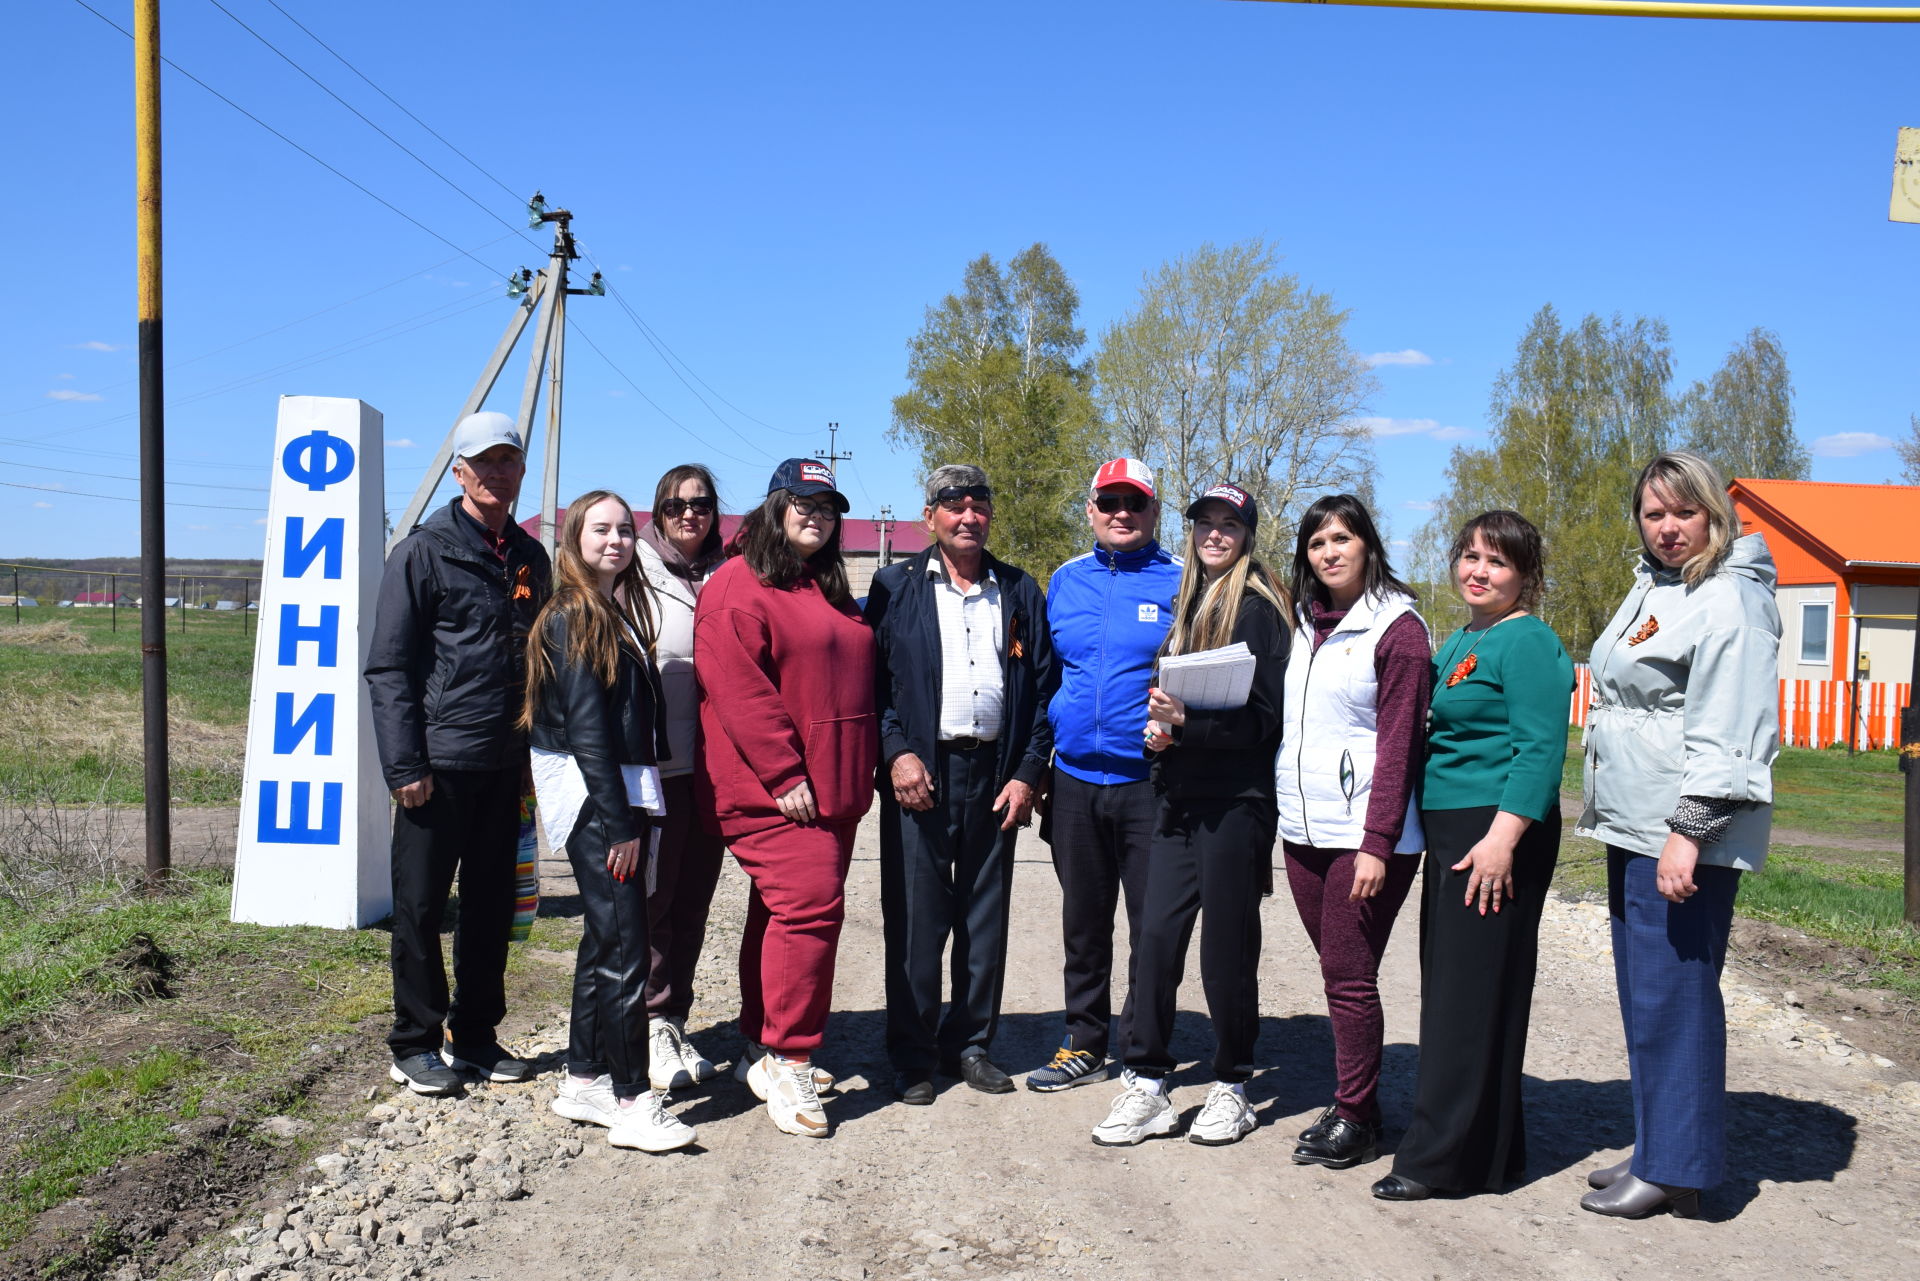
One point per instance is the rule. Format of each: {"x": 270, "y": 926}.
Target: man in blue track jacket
{"x": 1109, "y": 611}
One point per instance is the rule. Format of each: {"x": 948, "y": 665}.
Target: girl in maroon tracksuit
{"x": 789, "y": 747}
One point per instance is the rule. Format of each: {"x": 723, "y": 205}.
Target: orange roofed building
{"x": 1849, "y": 562}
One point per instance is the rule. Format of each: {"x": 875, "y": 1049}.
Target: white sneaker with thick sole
{"x": 792, "y": 1100}
{"x": 666, "y": 1070}
{"x": 699, "y": 1067}
{"x": 1139, "y": 1113}
{"x": 647, "y": 1125}
{"x": 1226, "y": 1117}
{"x": 589, "y": 1101}
{"x": 743, "y": 1072}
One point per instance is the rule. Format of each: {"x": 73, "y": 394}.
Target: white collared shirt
{"x": 973, "y": 696}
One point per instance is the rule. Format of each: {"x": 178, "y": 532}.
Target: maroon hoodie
{"x": 786, "y": 694}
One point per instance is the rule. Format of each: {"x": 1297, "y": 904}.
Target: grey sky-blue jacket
{"x": 1686, "y": 703}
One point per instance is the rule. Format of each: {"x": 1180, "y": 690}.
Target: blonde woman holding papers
{"x": 1213, "y": 841}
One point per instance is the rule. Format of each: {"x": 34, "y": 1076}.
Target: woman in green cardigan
{"x": 1497, "y": 739}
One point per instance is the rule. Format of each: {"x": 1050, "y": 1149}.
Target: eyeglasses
{"x": 954, "y": 497}
{"x": 805, "y": 507}
{"x": 1110, "y": 503}
{"x": 672, "y": 507}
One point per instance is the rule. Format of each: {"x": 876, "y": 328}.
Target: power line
{"x": 396, "y": 102}
{"x": 466, "y": 195}
{"x": 586, "y": 338}
{"x": 662, "y": 350}
{"x": 367, "y": 191}
{"x": 116, "y": 498}
{"x": 185, "y": 484}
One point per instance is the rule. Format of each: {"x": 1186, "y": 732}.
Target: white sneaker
{"x": 589, "y": 1101}
{"x": 647, "y": 1125}
{"x": 699, "y": 1067}
{"x": 792, "y": 1099}
{"x": 666, "y": 1070}
{"x": 743, "y": 1072}
{"x": 1139, "y": 1113}
{"x": 1226, "y": 1117}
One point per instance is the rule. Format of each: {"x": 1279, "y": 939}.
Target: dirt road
{"x": 1824, "y": 1170}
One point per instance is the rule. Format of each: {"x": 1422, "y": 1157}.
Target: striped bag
{"x": 526, "y": 900}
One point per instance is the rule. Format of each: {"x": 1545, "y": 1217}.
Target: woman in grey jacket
{"x": 1678, "y": 778}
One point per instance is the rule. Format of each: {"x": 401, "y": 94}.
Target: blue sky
{"x": 780, "y": 191}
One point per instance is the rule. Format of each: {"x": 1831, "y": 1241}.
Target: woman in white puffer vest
{"x": 1358, "y": 683}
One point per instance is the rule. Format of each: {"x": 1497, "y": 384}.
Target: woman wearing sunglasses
{"x": 790, "y": 743}
{"x": 1213, "y": 844}
{"x": 679, "y": 548}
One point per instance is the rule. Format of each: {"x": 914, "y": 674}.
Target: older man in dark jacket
{"x": 446, "y": 673}
{"x": 964, "y": 675}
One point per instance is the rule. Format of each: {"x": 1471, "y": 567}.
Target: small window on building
{"x": 1816, "y": 629}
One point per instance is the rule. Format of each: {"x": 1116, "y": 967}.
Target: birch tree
{"x": 1228, "y": 369}
{"x": 995, "y": 378}
{"x": 1742, "y": 419}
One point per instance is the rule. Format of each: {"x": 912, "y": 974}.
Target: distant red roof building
{"x": 1849, "y": 563}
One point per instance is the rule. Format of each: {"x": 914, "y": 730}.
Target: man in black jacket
{"x": 964, "y": 676}
{"x": 446, "y": 672}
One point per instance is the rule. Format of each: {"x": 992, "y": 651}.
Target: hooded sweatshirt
{"x": 1686, "y": 703}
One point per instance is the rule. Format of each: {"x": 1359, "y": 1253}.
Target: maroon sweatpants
{"x": 794, "y": 912}
{"x": 1351, "y": 936}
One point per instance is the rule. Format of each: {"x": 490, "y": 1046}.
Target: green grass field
{"x": 73, "y": 731}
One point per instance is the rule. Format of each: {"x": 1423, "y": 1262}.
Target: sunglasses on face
{"x": 672, "y": 507}
{"x": 1111, "y": 503}
{"x": 805, "y": 507}
{"x": 954, "y": 497}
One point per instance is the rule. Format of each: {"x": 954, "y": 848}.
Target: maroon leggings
{"x": 1350, "y": 936}
{"x": 794, "y": 912}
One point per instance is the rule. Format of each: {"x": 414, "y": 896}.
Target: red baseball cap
{"x": 1124, "y": 471}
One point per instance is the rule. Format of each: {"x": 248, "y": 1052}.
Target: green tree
{"x": 1228, "y": 369}
{"x": 1742, "y": 420}
{"x": 1909, "y": 451}
{"x": 1575, "y": 416}
{"x": 995, "y": 379}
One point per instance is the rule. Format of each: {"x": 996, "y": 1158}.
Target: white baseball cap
{"x": 477, "y": 433}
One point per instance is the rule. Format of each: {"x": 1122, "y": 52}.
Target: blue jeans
{"x": 1667, "y": 959}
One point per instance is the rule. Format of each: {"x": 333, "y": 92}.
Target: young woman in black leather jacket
{"x": 596, "y": 723}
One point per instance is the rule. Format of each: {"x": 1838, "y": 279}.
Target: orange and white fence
{"x": 1812, "y": 713}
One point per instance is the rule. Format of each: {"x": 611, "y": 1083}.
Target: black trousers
{"x": 1210, "y": 859}
{"x": 945, "y": 873}
{"x": 1468, "y": 1133}
{"x": 470, "y": 825}
{"x": 1102, "y": 842}
{"x": 608, "y": 1033}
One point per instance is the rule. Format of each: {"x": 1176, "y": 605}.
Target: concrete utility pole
{"x": 1652, "y": 9}
{"x": 885, "y": 521}
{"x": 831, "y": 455}
{"x": 153, "y": 493}
{"x": 547, "y": 361}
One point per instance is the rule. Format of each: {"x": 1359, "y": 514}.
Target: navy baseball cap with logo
{"x": 803, "y": 477}
{"x": 1233, "y": 496}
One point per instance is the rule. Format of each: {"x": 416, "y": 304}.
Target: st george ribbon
{"x": 314, "y": 822}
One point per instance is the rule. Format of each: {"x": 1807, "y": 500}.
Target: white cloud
{"x": 616, "y": 392}
{"x": 402, "y": 443}
{"x": 68, "y": 393}
{"x": 1453, "y": 433}
{"x": 1415, "y": 505}
{"x": 260, "y": 521}
{"x": 65, "y": 378}
{"x": 200, "y": 529}
{"x": 1406, "y": 357}
{"x": 43, "y": 506}
{"x": 97, "y": 345}
{"x": 1850, "y": 444}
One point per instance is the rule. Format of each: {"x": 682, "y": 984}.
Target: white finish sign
{"x": 314, "y": 822}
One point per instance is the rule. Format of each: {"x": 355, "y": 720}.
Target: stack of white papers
{"x": 1211, "y": 679}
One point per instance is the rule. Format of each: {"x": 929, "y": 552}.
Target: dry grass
{"x": 94, "y": 739}
{"x": 58, "y": 636}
